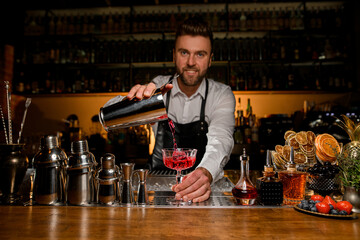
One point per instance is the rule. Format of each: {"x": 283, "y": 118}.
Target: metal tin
{"x": 49, "y": 180}
{"x": 127, "y": 113}
{"x": 80, "y": 185}
{"x": 107, "y": 180}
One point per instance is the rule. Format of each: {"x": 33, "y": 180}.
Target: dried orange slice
{"x": 293, "y": 143}
{"x": 279, "y": 149}
{"x": 323, "y": 157}
{"x": 301, "y": 138}
{"x": 288, "y": 134}
{"x": 276, "y": 160}
{"x": 300, "y": 157}
{"x": 310, "y": 137}
{"x": 317, "y": 141}
{"x": 286, "y": 152}
{"x": 307, "y": 148}
{"x": 329, "y": 146}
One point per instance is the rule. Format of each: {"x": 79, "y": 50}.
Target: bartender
{"x": 202, "y": 111}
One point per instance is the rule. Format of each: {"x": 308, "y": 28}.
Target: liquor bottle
{"x": 110, "y": 24}
{"x": 269, "y": 187}
{"x": 244, "y": 191}
{"x": 294, "y": 182}
{"x": 290, "y": 84}
{"x": 71, "y": 26}
{"x": 85, "y": 25}
{"x": 103, "y": 24}
{"x": 52, "y": 26}
{"x": 243, "y": 23}
{"x": 223, "y": 21}
{"x": 262, "y": 20}
{"x": 255, "y": 20}
{"x": 65, "y": 26}
{"x": 231, "y": 20}
{"x": 249, "y": 20}
{"x": 280, "y": 19}
{"x": 59, "y": 26}
{"x": 78, "y": 24}
{"x": 247, "y": 130}
{"x": 274, "y": 20}
{"x": 255, "y": 130}
{"x": 239, "y": 133}
{"x": 215, "y": 21}
{"x": 248, "y": 107}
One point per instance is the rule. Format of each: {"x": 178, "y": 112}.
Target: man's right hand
{"x": 146, "y": 91}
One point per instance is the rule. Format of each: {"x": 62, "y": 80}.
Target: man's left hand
{"x": 195, "y": 186}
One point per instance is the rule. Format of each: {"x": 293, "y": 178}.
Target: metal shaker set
{"x": 78, "y": 180}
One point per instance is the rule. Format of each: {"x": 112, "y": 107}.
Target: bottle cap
{"x": 268, "y": 167}
{"x": 49, "y": 142}
{"x": 80, "y": 146}
{"x": 108, "y": 161}
{"x": 291, "y": 165}
{"x": 244, "y": 157}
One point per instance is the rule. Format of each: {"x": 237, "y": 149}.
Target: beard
{"x": 192, "y": 80}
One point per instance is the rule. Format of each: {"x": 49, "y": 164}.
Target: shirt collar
{"x": 201, "y": 90}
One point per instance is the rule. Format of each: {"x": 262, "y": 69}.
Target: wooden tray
{"x": 343, "y": 217}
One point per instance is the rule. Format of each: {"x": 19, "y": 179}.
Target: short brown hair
{"x": 195, "y": 26}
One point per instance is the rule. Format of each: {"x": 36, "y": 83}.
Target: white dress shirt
{"x": 219, "y": 114}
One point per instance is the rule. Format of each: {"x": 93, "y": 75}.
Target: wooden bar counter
{"x": 68, "y": 222}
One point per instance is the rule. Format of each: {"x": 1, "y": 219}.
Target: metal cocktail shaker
{"x": 49, "y": 180}
{"x": 127, "y": 113}
{"x": 80, "y": 185}
{"x": 134, "y": 112}
{"x": 107, "y": 180}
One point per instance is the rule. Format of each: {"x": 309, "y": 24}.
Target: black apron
{"x": 190, "y": 135}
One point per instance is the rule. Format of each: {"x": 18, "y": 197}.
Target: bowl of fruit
{"x": 323, "y": 178}
{"x": 321, "y": 206}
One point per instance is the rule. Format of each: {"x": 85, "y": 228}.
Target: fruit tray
{"x": 344, "y": 217}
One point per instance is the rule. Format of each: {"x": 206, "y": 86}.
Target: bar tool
{"x": 8, "y": 101}
{"x": 4, "y": 125}
{"x": 142, "y": 194}
{"x": 107, "y": 180}
{"x": 49, "y": 180}
{"x": 80, "y": 185}
{"x": 132, "y": 112}
{"x": 27, "y": 104}
{"x": 13, "y": 165}
{"x": 127, "y": 193}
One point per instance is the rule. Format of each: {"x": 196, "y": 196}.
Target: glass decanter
{"x": 269, "y": 187}
{"x": 294, "y": 182}
{"x": 244, "y": 191}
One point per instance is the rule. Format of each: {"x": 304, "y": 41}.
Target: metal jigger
{"x": 142, "y": 193}
{"x": 127, "y": 193}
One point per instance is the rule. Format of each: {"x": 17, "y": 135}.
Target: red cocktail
{"x": 179, "y": 159}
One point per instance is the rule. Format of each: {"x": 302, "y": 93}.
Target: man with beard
{"x": 202, "y": 111}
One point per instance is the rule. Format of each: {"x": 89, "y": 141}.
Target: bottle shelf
{"x": 115, "y": 47}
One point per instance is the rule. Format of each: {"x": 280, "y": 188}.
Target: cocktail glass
{"x": 179, "y": 159}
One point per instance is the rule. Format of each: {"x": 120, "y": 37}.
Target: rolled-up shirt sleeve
{"x": 220, "y": 133}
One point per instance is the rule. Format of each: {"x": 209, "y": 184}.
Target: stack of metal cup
{"x": 107, "y": 180}
{"x": 49, "y": 179}
{"x": 80, "y": 171}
